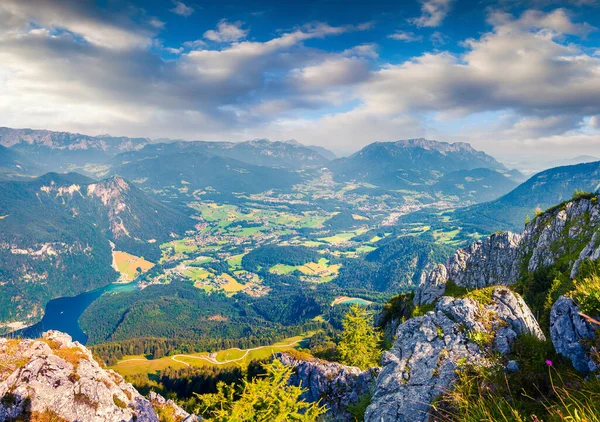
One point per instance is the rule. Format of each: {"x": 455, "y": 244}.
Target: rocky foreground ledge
{"x": 54, "y": 378}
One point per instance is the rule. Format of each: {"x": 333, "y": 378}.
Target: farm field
{"x": 345, "y": 300}
{"x": 139, "y": 364}
{"x": 128, "y": 265}
{"x": 320, "y": 271}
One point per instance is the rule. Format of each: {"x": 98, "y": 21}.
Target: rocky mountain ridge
{"x": 337, "y": 386}
{"x": 24, "y": 138}
{"x": 567, "y": 232}
{"x": 54, "y": 378}
{"x": 540, "y": 191}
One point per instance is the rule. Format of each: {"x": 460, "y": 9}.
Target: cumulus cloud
{"x": 362, "y": 50}
{"x": 438, "y": 39}
{"x": 83, "y": 69}
{"x": 96, "y": 26}
{"x": 433, "y": 13}
{"x": 181, "y": 9}
{"x": 227, "y": 32}
{"x": 405, "y": 36}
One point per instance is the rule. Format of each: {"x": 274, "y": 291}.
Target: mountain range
{"x": 428, "y": 166}
{"x": 59, "y": 150}
{"x": 56, "y": 233}
{"x": 539, "y": 192}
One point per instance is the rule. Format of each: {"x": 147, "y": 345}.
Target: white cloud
{"x": 82, "y": 70}
{"x": 438, "y": 39}
{"x": 114, "y": 30}
{"x": 194, "y": 45}
{"x": 405, "y": 36}
{"x": 362, "y": 50}
{"x": 433, "y": 13}
{"x": 181, "y": 9}
{"x": 227, "y": 32}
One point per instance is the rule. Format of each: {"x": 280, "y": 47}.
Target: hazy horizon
{"x": 323, "y": 74}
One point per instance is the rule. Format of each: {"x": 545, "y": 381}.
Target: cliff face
{"x": 337, "y": 386}
{"x": 58, "y": 379}
{"x": 568, "y": 234}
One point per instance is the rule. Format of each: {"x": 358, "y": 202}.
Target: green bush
{"x": 587, "y": 295}
{"x": 421, "y": 310}
{"x": 358, "y": 409}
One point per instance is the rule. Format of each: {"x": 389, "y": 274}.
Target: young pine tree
{"x": 359, "y": 345}
{"x": 264, "y": 399}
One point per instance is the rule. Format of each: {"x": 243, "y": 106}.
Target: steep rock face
{"x": 423, "y": 361}
{"x": 493, "y": 261}
{"x": 58, "y": 377}
{"x": 568, "y": 231}
{"x": 569, "y": 332}
{"x": 337, "y": 386}
{"x": 554, "y": 234}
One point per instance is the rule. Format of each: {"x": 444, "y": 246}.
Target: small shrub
{"x": 358, "y": 409}
{"x": 118, "y": 402}
{"x": 300, "y": 355}
{"x": 483, "y": 296}
{"x": 587, "y": 295}
{"x": 166, "y": 414}
{"x": 480, "y": 338}
{"x": 453, "y": 290}
{"x": 421, "y": 310}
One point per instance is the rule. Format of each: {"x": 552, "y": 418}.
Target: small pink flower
{"x": 549, "y": 362}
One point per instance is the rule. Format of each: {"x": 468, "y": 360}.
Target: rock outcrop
{"x": 570, "y": 333}
{"x": 422, "y": 363}
{"x": 59, "y": 379}
{"x": 568, "y": 229}
{"x": 490, "y": 262}
{"x": 571, "y": 229}
{"x": 337, "y": 386}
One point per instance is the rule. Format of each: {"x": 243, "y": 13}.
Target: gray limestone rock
{"x": 337, "y": 386}
{"x": 422, "y": 363}
{"x": 568, "y": 330}
{"x": 491, "y": 262}
{"x": 57, "y": 375}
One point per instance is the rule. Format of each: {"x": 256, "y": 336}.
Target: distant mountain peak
{"x": 430, "y": 144}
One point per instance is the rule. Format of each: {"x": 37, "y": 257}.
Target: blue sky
{"x": 518, "y": 79}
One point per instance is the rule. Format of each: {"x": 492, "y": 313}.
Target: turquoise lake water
{"x": 63, "y": 313}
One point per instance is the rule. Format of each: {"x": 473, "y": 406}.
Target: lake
{"x": 63, "y": 313}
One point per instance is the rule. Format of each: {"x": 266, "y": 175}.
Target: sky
{"x": 518, "y": 79}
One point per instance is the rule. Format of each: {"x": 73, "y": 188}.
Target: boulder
{"x": 429, "y": 349}
{"x": 57, "y": 377}
{"x": 569, "y": 331}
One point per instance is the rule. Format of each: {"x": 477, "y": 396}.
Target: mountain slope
{"x": 479, "y": 185}
{"x": 57, "y": 150}
{"x": 396, "y": 265}
{"x": 13, "y": 165}
{"x": 260, "y": 152}
{"x": 417, "y": 164}
{"x": 540, "y": 191}
{"x": 56, "y": 232}
{"x": 193, "y": 170}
